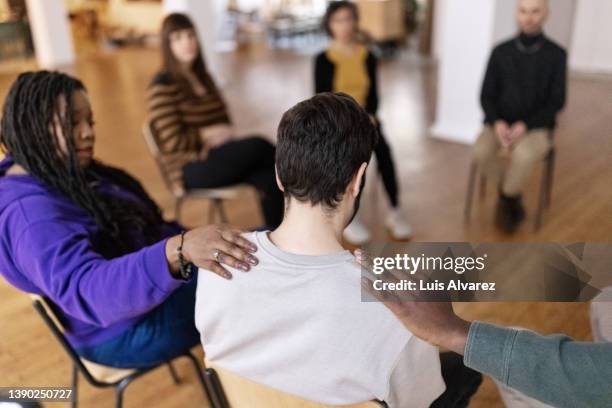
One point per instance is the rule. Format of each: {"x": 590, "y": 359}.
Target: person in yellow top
{"x": 348, "y": 66}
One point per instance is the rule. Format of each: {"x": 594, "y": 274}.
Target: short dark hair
{"x": 322, "y": 141}
{"x": 333, "y": 7}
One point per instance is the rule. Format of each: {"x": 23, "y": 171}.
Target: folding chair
{"x": 170, "y": 166}
{"x": 232, "y": 391}
{"x": 546, "y": 185}
{"x": 101, "y": 376}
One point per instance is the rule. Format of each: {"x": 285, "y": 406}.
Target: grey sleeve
{"x": 553, "y": 369}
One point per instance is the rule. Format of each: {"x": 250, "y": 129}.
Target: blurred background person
{"x": 348, "y": 66}
{"x": 524, "y": 88}
{"x": 190, "y": 121}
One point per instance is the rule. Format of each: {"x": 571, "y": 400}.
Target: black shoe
{"x": 517, "y": 209}
{"x": 510, "y": 213}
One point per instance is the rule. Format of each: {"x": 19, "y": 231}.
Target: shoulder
{"x": 41, "y": 216}
{"x": 111, "y": 173}
{"x": 368, "y": 51}
{"x": 370, "y": 56}
{"x": 39, "y": 208}
{"x": 163, "y": 82}
{"x": 503, "y": 46}
{"x": 555, "y": 49}
{"x": 252, "y": 236}
{"x": 322, "y": 58}
{"x": 163, "y": 86}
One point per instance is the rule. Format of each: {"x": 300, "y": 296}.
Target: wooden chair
{"x": 98, "y": 375}
{"x": 170, "y": 166}
{"x": 546, "y": 185}
{"x": 229, "y": 390}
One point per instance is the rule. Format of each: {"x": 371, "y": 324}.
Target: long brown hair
{"x": 175, "y": 22}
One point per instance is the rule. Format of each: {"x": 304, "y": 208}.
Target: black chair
{"x": 546, "y": 184}
{"x": 103, "y": 376}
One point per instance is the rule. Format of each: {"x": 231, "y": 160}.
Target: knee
{"x": 484, "y": 149}
{"x": 524, "y": 156}
{"x": 482, "y": 153}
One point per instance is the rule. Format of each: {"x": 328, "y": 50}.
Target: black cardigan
{"x": 324, "y": 78}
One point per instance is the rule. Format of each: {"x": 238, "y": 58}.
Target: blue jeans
{"x": 165, "y": 333}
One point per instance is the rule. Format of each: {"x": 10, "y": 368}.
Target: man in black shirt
{"x": 523, "y": 90}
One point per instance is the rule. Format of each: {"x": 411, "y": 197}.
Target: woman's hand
{"x": 209, "y": 247}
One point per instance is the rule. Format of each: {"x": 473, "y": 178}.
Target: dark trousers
{"x": 461, "y": 382}
{"x": 386, "y": 167}
{"x": 250, "y": 161}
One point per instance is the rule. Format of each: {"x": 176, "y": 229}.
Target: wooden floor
{"x": 259, "y": 86}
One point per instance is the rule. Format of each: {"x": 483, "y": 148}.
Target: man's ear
{"x": 278, "y": 182}
{"x": 355, "y": 185}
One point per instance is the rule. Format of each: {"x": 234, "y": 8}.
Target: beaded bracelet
{"x": 186, "y": 269}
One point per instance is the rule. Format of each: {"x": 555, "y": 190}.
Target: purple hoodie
{"x": 45, "y": 249}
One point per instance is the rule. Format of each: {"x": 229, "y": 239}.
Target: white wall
{"x": 591, "y": 45}
{"x": 561, "y": 21}
{"x": 465, "y": 39}
{"x": 51, "y": 33}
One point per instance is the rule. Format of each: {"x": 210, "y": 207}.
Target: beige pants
{"x": 524, "y": 155}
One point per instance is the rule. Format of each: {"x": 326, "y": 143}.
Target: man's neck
{"x": 530, "y": 38}
{"x": 308, "y": 230}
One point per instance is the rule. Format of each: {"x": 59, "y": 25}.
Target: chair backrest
{"x": 94, "y": 373}
{"x": 170, "y": 165}
{"x": 240, "y": 392}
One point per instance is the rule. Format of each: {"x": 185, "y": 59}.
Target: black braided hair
{"x": 29, "y": 137}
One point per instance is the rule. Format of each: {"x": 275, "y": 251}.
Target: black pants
{"x": 386, "y": 167}
{"x": 461, "y": 382}
{"x": 250, "y": 161}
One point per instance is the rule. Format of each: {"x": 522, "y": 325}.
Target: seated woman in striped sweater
{"x": 191, "y": 122}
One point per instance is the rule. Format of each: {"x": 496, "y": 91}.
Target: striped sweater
{"x": 176, "y": 117}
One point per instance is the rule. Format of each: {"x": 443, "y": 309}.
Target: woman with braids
{"x": 348, "y": 66}
{"x": 192, "y": 125}
{"x": 89, "y": 238}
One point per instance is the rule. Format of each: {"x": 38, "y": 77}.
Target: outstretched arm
{"x": 554, "y": 369}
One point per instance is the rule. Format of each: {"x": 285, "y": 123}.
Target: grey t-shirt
{"x": 296, "y": 323}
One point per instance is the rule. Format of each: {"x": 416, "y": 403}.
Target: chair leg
{"x": 200, "y": 374}
{"x": 483, "y": 187}
{"x": 175, "y": 377}
{"x": 222, "y": 213}
{"x": 541, "y": 200}
{"x": 220, "y": 399}
{"x": 470, "y": 192}
{"x": 119, "y": 391}
{"x": 550, "y": 174}
{"x": 75, "y": 386}
{"x": 178, "y": 206}
{"x": 212, "y": 210}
